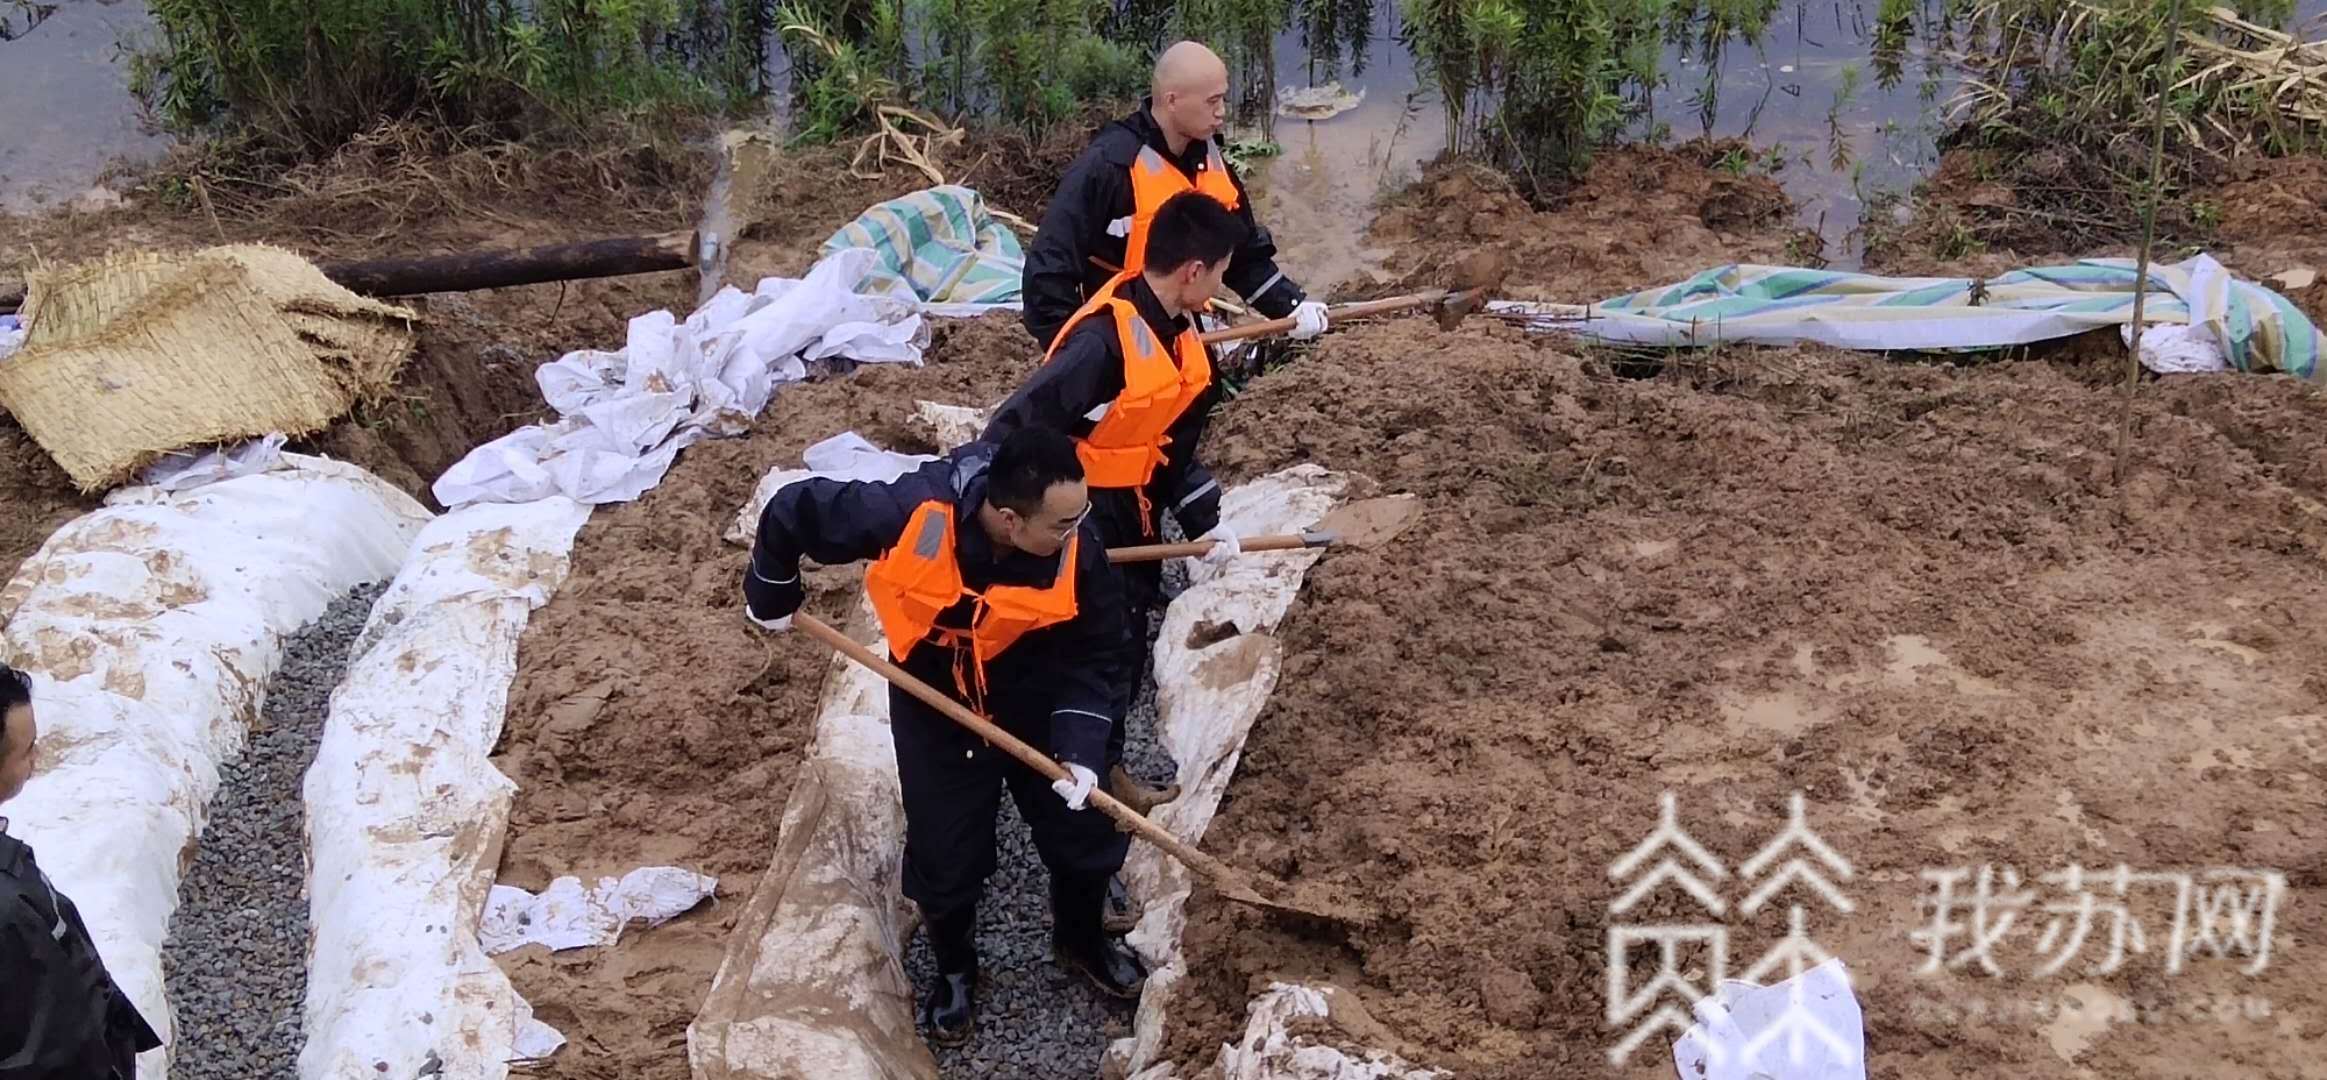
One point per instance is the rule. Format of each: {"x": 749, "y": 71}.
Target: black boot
{"x": 1078, "y": 943}
{"x": 1120, "y": 916}
{"x": 950, "y": 1008}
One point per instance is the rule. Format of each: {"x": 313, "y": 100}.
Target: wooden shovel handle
{"x": 1158, "y": 552}
{"x": 1221, "y": 874}
{"x": 1346, "y": 311}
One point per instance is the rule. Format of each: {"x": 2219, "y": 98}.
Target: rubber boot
{"x": 1136, "y": 795}
{"x": 950, "y": 1008}
{"x": 1120, "y": 916}
{"x": 1079, "y": 944}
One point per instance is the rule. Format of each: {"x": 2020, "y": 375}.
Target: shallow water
{"x": 65, "y": 108}
{"x": 1807, "y": 92}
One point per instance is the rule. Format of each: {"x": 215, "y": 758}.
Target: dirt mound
{"x": 1907, "y": 591}
{"x": 647, "y": 726}
{"x": 2271, "y": 199}
{"x": 36, "y": 497}
{"x": 1641, "y": 216}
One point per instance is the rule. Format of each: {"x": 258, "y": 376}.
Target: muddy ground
{"x": 1641, "y": 216}
{"x": 1909, "y": 591}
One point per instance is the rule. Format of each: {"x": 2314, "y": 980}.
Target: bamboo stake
{"x": 2173, "y": 35}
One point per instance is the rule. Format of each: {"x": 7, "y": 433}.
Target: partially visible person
{"x": 61, "y": 1017}
{"x": 1107, "y": 202}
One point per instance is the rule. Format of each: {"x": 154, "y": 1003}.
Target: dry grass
{"x": 395, "y": 181}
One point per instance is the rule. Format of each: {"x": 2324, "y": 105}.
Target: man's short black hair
{"x": 15, "y": 690}
{"x": 1192, "y": 227}
{"x": 1027, "y": 463}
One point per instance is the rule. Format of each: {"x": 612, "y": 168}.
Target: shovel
{"x": 1362, "y": 524}
{"x": 1233, "y": 883}
{"x": 1481, "y": 273}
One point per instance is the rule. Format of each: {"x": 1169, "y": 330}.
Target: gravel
{"x": 1035, "y": 1021}
{"x": 235, "y": 960}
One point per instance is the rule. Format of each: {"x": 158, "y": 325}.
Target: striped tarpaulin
{"x": 2258, "y": 329}
{"x": 938, "y": 245}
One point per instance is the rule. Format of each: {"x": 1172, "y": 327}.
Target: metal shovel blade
{"x": 1370, "y": 522}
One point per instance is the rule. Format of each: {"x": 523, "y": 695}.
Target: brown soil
{"x": 647, "y": 724}
{"x": 1641, "y": 216}
{"x": 2266, "y": 215}
{"x": 1904, "y": 590}
{"x": 36, "y": 498}
{"x": 470, "y": 378}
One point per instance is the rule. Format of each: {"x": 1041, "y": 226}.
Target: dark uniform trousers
{"x": 1115, "y": 511}
{"x": 953, "y": 782}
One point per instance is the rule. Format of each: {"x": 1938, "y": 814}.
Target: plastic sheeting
{"x": 1299, "y": 1032}
{"x": 813, "y": 984}
{"x": 1209, "y": 690}
{"x": 624, "y": 416}
{"x": 2255, "y": 328}
{"x": 151, "y": 628}
{"x": 185, "y": 470}
{"x": 405, "y": 811}
{"x": 938, "y": 245}
{"x": 847, "y": 456}
{"x": 1806, "y": 1027}
{"x": 569, "y": 916}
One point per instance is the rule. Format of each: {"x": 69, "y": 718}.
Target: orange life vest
{"x": 1154, "y": 181}
{"x": 915, "y": 581}
{"x": 1125, "y": 446}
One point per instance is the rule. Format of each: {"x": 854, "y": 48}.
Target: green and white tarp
{"x": 940, "y": 247}
{"x": 2255, "y": 328}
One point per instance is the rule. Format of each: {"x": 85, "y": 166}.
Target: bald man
{"x": 1131, "y": 168}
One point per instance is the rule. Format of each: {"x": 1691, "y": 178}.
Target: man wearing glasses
{"x": 1129, "y": 378}
{"x": 992, "y": 585}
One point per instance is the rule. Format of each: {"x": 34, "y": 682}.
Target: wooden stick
{"x": 1192, "y": 548}
{"x": 1383, "y": 306}
{"x": 1230, "y": 881}
{"x": 2141, "y": 266}
{"x": 471, "y": 270}
{"x": 466, "y": 271}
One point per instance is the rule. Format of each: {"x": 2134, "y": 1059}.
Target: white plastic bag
{"x": 624, "y": 416}
{"x": 1807, "y": 1027}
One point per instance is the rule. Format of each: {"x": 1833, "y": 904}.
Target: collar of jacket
{"x": 1167, "y": 327}
{"x": 1142, "y": 124}
{"x": 15, "y": 855}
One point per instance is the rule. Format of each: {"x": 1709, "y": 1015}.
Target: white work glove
{"x": 775, "y": 626}
{"x": 1225, "y": 546}
{"x": 1309, "y": 319}
{"x": 1075, "y": 790}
